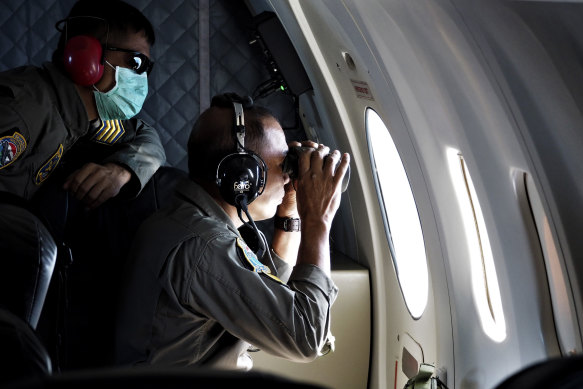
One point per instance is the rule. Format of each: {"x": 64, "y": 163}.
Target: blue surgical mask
{"x": 126, "y": 98}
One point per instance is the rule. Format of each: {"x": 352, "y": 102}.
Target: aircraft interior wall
{"x": 495, "y": 82}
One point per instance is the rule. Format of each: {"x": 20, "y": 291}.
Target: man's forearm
{"x": 314, "y": 247}
{"x": 142, "y": 156}
{"x": 286, "y": 244}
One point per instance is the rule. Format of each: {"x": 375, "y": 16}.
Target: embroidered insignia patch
{"x": 10, "y": 148}
{"x": 50, "y": 165}
{"x": 258, "y": 267}
{"x": 109, "y": 132}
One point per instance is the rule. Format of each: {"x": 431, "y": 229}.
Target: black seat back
{"x": 557, "y": 373}
{"x": 22, "y": 355}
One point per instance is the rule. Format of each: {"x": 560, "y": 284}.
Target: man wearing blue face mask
{"x": 126, "y": 97}
{"x": 70, "y": 124}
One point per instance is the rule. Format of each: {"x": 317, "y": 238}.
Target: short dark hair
{"x": 211, "y": 140}
{"x": 105, "y": 20}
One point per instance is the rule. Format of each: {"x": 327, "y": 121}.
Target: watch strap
{"x": 287, "y": 224}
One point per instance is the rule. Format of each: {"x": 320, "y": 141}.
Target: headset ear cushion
{"x": 83, "y": 60}
{"x": 240, "y": 174}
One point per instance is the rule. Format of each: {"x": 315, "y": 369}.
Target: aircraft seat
{"x": 21, "y": 352}
{"x": 25, "y": 364}
{"x": 27, "y": 259}
{"x": 556, "y": 373}
{"x": 159, "y": 378}
{"x": 81, "y": 306}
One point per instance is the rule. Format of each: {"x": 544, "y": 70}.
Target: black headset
{"x": 242, "y": 175}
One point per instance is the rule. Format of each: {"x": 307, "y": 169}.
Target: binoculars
{"x": 290, "y": 165}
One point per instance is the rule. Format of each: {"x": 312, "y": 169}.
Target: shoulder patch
{"x": 109, "y": 132}
{"x": 250, "y": 256}
{"x": 10, "y": 148}
{"x": 50, "y": 165}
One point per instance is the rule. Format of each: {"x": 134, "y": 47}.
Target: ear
{"x": 83, "y": 56}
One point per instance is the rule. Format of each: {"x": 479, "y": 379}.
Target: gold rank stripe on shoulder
{"x": 109, "y": 132}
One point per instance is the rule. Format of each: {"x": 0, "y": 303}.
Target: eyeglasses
{"x": 141, "y": 63}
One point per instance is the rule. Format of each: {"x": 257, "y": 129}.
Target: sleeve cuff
{"x": 316, "y": 276}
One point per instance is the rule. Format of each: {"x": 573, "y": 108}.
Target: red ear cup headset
{"x": 242, "y": 175}
{"x": 83, "y": 59}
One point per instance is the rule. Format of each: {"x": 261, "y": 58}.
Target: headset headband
{"x": 239, "y": 126}
{"x": 242, "y": 175}
{"x": 63, "y": 25}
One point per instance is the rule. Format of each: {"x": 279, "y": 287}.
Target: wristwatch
{"x": 287, "y": 224}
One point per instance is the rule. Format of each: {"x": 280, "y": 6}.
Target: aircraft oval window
{"x": 558, "y": 279}
{"x": 400, "y": 215}
{"x": 483, "y": 272}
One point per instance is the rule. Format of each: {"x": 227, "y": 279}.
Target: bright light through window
{"x": 400, "y": 214}
{"x": 484, "y": 280}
